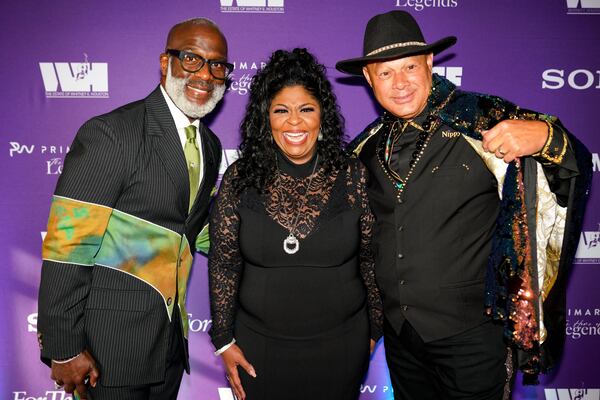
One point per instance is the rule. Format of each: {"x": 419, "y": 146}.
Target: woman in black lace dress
{"x": 293, "y": 296}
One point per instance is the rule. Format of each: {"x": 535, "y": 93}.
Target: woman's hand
{"x": 232, "y": 358}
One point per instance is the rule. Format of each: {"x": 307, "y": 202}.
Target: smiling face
{"x": 194, "y": 93}
{"x": 295, "y": 118}
{"x": 401, "y": 86}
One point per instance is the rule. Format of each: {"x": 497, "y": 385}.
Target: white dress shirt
{"x": 181, "y": 121}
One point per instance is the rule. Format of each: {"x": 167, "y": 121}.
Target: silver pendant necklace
{"x": 291, "y": 244}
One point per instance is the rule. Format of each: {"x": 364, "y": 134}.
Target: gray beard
{"x": 175, "y": 88}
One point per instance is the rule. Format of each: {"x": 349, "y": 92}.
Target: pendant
{"x": 291, "y": 245}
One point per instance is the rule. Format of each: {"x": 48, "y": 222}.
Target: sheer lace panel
{"x": 290, "y": 201}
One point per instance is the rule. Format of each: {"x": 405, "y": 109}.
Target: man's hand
{"x": 76, "y": 374}
{"x": 511, "y": 139}
{"x": 232, "y": 357}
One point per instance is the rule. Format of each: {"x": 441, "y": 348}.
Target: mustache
{"x": 199, "y": 83}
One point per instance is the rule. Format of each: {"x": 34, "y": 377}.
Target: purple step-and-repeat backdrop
{"x": 65, "y": 61}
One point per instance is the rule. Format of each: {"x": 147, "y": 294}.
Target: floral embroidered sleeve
{"x": 224, "y": 261}
{"x": 367, "y": 258}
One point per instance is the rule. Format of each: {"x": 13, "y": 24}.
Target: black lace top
{"x": 325, "y": 283}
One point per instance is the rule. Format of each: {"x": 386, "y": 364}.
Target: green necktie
{"x": 192, "y": 159}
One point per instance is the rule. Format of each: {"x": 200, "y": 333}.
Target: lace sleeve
{"x": 224, "y": 261}
{"x": 367, "y": 258}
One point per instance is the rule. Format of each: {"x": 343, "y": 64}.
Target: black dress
{"x": 302, "y": 320}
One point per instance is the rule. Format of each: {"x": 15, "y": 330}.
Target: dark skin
{"x": 203, "y": 40}
{"x": 74, "y": 374}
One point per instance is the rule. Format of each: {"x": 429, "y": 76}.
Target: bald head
{"x": 185, "y": 26}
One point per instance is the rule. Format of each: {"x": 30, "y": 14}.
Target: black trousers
{"x": 165, "y": 390}
{"x": 470, "y": 365}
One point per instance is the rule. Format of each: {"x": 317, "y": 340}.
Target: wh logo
{"x": 252, "y": 6}
{"x": 453, "y": 74}
{"x": 572, "y": 394}
{"x": 15, "y": 147}
{"x": 587, "y": 6}
{"x": 588, "y": 249}
{"x": 229, "y": 156}
{"x": 252, "y": 3}
{"x": 76, "y": 79}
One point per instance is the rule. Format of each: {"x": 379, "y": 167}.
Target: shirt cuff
{"x": 222, "y": 349}
{"x": 555, "y": 147}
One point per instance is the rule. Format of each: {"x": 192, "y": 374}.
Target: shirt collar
{"x": 181, "y": 120}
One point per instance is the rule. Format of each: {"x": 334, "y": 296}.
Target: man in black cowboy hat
{"x": 479, "y": 206}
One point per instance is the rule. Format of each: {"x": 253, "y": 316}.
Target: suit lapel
{"x": 161, "y": 129}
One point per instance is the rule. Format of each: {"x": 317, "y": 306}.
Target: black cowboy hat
{"x": 394, "y": 34}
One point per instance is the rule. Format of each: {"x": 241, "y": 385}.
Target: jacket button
{"x": 402, "y": 281}
{"x": 169, "y": 301}
{"x": 400, "y": 255}
{"x": 404, "y": 308}
{"x": 400, "y": 228}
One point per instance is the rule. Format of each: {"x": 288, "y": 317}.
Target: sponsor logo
{"x": 239, "y": 83}
{"x": 588, "y": 249}
{"x": 240, "y": 79}
{"x": 583, "y": 6}
{"x": 32, "y": 319}
{"x": 252, "y": 6}
{"x": 75, "y": 79}
{"x": 453, "y": 74}
{"x": 375, "y": 389}
{"x": 579, "y": 79}
{"x": 198, "y": 325}
{"x": 53, "y": 165}
{"x": 572, "y": 394}
{"x": 20, "y": 148}
{"x": 419, "y": 5}
{"x": 582, "y": 322}
{"x": 48, "y": 395}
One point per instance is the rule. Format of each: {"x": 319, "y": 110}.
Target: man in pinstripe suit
{"x": 128, "y": 212}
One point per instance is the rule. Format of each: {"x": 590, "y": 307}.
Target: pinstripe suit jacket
{"x": 120, "y": 242}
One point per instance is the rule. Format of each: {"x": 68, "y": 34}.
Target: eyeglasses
{"x": 192, "y": 62}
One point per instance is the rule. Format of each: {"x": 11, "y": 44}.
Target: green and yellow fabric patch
{"x": 75, "y": 231}
{"x": 89, "y": 234}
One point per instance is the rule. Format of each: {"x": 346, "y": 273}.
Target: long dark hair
{"x": 257, "y": 163}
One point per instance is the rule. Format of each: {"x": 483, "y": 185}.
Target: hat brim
{"x": 353, "y": 66}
